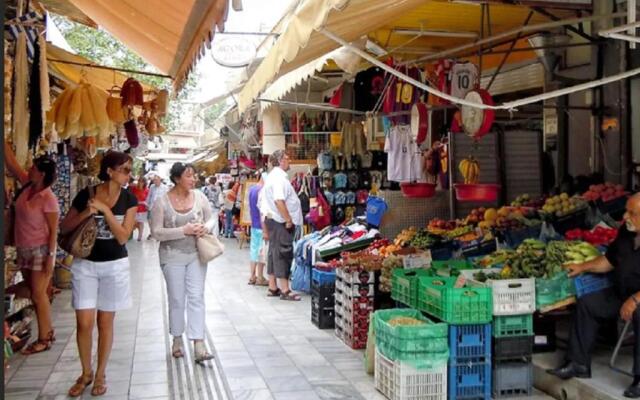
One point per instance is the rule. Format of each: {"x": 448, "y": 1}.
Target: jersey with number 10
{"x": 463, "y": 79}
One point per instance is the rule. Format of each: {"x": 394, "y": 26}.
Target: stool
{"x": 612, "y": 362}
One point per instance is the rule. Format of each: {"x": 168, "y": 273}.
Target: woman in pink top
{"x": 36, "y": 232}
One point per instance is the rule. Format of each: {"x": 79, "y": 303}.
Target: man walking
{"x": 156, "y": 191}
{"x": 281, "y": 209}
{"x": 213, "y": 193}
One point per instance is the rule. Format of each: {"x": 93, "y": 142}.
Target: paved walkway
{"x": 266, "y": 348}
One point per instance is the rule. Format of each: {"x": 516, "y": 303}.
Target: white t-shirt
{"x": 463, "y": 79}
{"x": 404, "y": 162}
{"x": 278, "y": 187}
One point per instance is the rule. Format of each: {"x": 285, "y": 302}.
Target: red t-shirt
{"x": 141, "y": 195}
{"x": 31, "y": 228}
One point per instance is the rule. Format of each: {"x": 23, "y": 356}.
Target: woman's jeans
{"x": 228, "y": 226}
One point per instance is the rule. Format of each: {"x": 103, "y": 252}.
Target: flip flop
{"x": 273, "y": 293}
{"x": 262, "y": 282}
{"x": 203, "y": 357}
{"x": 99, "y": 387}
{"x": 252, "y": 281}
{"x": 81, "y": 384}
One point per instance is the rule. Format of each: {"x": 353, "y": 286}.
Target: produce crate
{"x": 479, "y": 249}
{"x": 460, "y": 306}
{"x": 324, "y": 296}
{"x": 361, "y": 276}
{"x": 512, "y": 379}
{"x": 353, "y": 303}
{"x": 513, "y": 348}
{"x": 353, "y": 246}
{"x": 469, "y": 380}
{"x": 402, "y": 381}
{"x": 404, "y": 285}
{"x": 513, "y": 325}
{"x": 450, "y": 268}
{"x": 590, "y": 283}
{"x": 510, "y": 296}
{"x": 356, "y": 289}
{"x": 553, "y": 290}
{"x": 408, "y": 342}
{"x": 355, "y": 340}
{"x": 571, "y": 221}
{"x": 470, "y": 342}
{"x": 615, "y": 207}
{"x": 544, "y": 330}
{"x": 322, "y": 278}
{"x": 441, "y": 251}
{"x": 514, "y": 237}
{"x": 323, "y": 318}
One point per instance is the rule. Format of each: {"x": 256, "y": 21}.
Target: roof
{"x": 169, "y": 34}
{"x": 301, "y": 41}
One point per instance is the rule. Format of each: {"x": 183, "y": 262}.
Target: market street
{"x": 266, "y": 348}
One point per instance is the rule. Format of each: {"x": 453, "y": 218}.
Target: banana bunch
{"x": 470, "y": 170}
{"x": 81, "y": 111}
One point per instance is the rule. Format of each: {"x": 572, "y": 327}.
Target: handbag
{"x": 80, "y": 241}
{"x": 209, "y": 247}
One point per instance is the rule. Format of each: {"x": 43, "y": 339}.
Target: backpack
{"x": 320, "y": 216}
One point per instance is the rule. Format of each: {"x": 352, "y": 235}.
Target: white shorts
{"x": 101, "y": 285}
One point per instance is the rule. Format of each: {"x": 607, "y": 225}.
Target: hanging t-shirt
{"x": 376, "y": 207}
{"x": 106, "y": 247}
{"x": 404, "y": 162}
{"x": 368, "y": 87}
{"x": 463, "y": 79}
{"x": 402, "y": 95}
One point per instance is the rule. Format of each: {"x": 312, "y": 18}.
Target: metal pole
{"x": 552, "y": 17}
{"x": 129, "y": 71}
{"x": 504, "y": 59}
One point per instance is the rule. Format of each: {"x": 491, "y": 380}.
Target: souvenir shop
{"x": 442, "y": 212}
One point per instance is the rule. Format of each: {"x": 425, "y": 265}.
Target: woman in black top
{"x": 100, "y": 283}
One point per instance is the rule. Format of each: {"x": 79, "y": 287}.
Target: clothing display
{"x": 405, "y": 160}
{"x": 353, "y": 139}
{"x": 368, "y": 86}
{"x": 402, "y": 95}
{"x": 376, "y": 207}
{"x": 20, "y": 101}
{"x": 464, "y": 77}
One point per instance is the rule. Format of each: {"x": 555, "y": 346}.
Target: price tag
{"x": 416, "y": 261}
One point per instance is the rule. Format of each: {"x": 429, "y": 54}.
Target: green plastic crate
{"x": 450, "y": 268}
{"x": 409, "y": 342}
{"x": 553, "y": 290}
{"x": 513, "y": 325}
{"x": 438, "y": 297}
{"x": 404, "y": 285}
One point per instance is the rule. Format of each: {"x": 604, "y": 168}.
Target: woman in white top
{"x": 178, "y": 218}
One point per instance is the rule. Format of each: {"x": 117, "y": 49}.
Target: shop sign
{"x": 233, "y": 52}
{"x": 224, "y": 178}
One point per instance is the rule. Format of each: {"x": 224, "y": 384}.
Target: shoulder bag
{"x": 209, "y": 247}
{"x": 80, "y": 241}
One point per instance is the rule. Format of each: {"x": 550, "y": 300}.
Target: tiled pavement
{"x": 266, "y": 348}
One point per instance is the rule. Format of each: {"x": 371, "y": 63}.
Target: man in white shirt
{"x": 281, "y": 209}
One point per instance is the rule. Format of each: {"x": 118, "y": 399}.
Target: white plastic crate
{"x": 353, "y": 302}
{"x": 355, "y": 289}
{"x": 401, "y": 381}
{"x": 362, "y": 277}
{"x": 510, "y": 296}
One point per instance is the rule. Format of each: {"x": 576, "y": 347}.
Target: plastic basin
{"x": 477, "y": 192}
{"x": 422, "y": 190}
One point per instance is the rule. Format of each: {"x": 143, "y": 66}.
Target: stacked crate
{"x": 354, "y": 294}
{"x": 322, "y": 298}
{"x": 410, "y": 359}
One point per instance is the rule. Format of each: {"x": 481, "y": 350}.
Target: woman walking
{"x": 141, "y": 192}
{"x": 100, "y": 283}
{"x": 178, "y": 218}
{"x": 36, "y": 232}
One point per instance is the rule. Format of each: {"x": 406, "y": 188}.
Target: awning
{"x": 101, "y": 78}
{"x": 169, "y": 34}
{"x": 379, "y": 20}
{"x": 181, "y": 142}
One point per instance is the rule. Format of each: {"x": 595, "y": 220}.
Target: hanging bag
{"x": 80, "y": 241}
{"x": 209, "y": 247}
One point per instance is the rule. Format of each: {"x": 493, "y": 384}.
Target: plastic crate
{"x": 355, "y": 340}
{"x": 572, "y": 221}
{"x": 469, "y": 380}
{"x": 468, "y": 342}
{"x": 352, "y": 276}
{"x": 408, "y": 342}
{"x": 353, "y": 303}
{"x": 512, "y": 379}
{"x": 324, "y": 296}
{"x": 322, "y": 278}
{"x": 323, "y": 318}
{"x": 514, "y": 237}
{"x": 513, "y": 325}
{"x": 356, "y": 289}
{"x": 446, "y": 267}
{"x": 615, "y": 207}
{"x": 402, "y": 381}
{"x": 404, "y": 285}
{"x": 513, "y": 348}
{"x": 553, "y": 290}
{"x": 479, "y": 249}
{"x": 442, "y": 251}
{"x": 510, "y": 296}
{"x": 590, "y": 283}
{"x": 460, "y": 306}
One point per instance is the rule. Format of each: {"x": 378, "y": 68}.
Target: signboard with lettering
{"x": 233, "y": 52}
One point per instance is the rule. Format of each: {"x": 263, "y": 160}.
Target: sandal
{"x": 99, "y": 386}
{"x": 81, "y": 384}
{"x": 203, "y": 357}
{"x": 273, "y": 293}
{"x": 38, "y": 346}
{"x": 176, "y": 351}
{"x": 262, "y": 282}
{"x": 290, "y": 296}
{"x": 252, "y": 280}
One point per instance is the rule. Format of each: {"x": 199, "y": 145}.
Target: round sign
{"x": 419, "y": 122}
{"x": 233, "y": 52}
{"x": 475, "y": 121}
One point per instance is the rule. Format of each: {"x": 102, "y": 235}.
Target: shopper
{"x": 100, "y": 283}
{"x": 622, "y": 259}
{"x": 213, "y": 193}
{"x": 257, "y": 241}
{"x": 140, "y": 190}
{"x": 157, "y": 190}
{"x": 178, "y": 218}
{"x": 36, "y": 231}
{"x": 280, "y": 206}
{"x": 229, "y": 202}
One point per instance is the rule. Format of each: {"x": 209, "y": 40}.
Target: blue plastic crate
{"x": 590, "y": 283}
{"x": 470, "y": 342}
{"x": 469, "y": 380}
{"x": 322, "y": 278}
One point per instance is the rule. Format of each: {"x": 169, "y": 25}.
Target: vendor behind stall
{"x": 623, "y": 258}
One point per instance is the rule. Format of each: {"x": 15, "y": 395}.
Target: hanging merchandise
{"x": 20, "y": 110}
{"x": 162, "y": 102}
{"x": 402, "y": 95}
{"x": 8, "y": 87}
{"x": 353, "y": 140}
{"x": 376, "y": 207}
{"x": 368, "y": 87}
{"x": 404, "y": 162}
{"x": 81, "y": 111}
{"x": 442, "y": 72}
{"x": 419, "y": 122}
{"x": 131, "y": 130}
{"x": 115, "y": 111}
{"x": 35, "y": 101}
{"x": 477, "y": 122}
{"x": 464, "y": 77}
{"x": 44, "y": 75}
{"x": 132, "y": 93}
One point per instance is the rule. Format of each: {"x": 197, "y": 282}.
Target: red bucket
{"x": 477, "y": 192}
{"x": 415, "y": 190}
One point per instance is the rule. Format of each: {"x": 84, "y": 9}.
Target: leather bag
{"x": 80, "y": 241}
{"x": 209, "y": 247}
